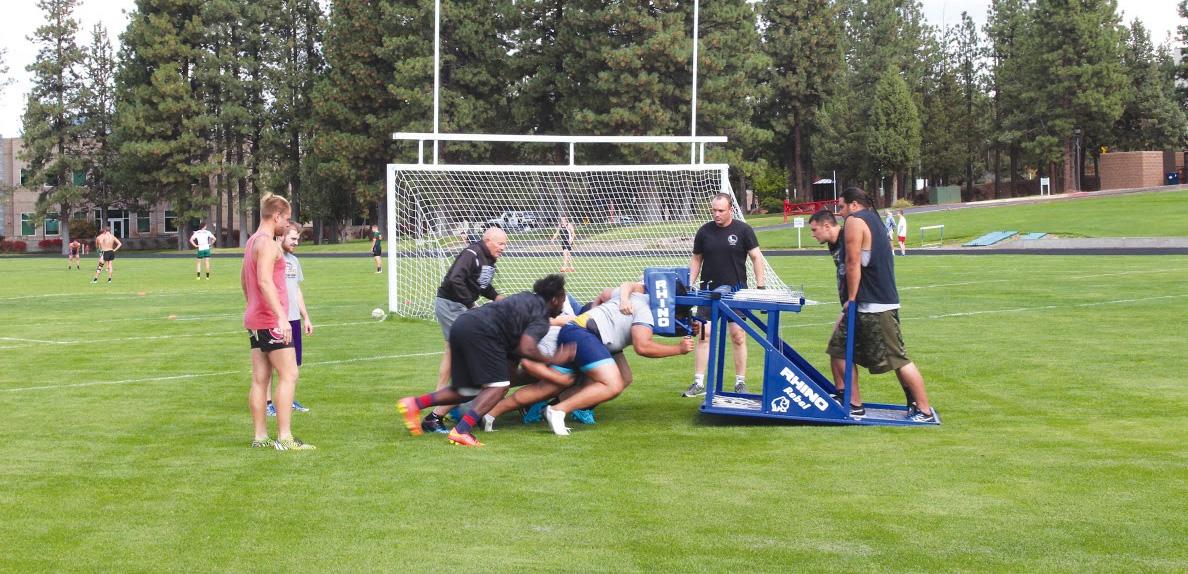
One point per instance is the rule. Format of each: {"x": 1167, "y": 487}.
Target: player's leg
{"x": 738, "y": 341}
{"x": 258, "y": 396}
{"x": 207, "y": 262}
{"x": 913, "y": 385}
{"x": 700, "y": 357}
{"x": 284, "y": 360}
{"x": 98, "y": 269}
{"x": 480, "y": 363}
{"x": 603, "y": 383}
{"x": 198, "y": 265}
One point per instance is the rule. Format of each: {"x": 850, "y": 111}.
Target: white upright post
{"x": 693, "y": 120}
{"x": 835, "y": 185}
{"x": 436, "y": 73}
{"x": 393, "y": 300}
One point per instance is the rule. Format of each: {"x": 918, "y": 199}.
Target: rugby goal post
{"x": 625, "y": 217}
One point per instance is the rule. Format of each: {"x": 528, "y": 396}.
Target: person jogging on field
{"x": 107, "y": 245}
{"x": 202, "y": 240}
{"x": 565, "y": 233}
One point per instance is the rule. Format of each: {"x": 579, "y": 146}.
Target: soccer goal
{"x": 625, "y": 218}
{"x": 934, "y": 239}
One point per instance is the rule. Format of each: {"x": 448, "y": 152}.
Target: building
{"x": 156, "y": 227}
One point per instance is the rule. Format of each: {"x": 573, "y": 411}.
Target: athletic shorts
{"x": 296, "y": 325}
{"x": 108, "y": 255}
{"x": 376, "y": 251}
{"x": 878, "y": 343}
{"x": 591, "y": 353}
{"x": 902, "y": 239}
{"x": 447, "y": 312}
{"x": 566, "y": 246}
{"x": 703, "y": 311}
{"x": 73, "y": 253}
{"x": 478, "y": 358}
{"x": 203, "y": 253}
{"x": 267, "y": 340}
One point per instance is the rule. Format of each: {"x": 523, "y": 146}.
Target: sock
{"x": 208, "y": 274}
{"x": 740, "y": 379}
{"x": 270, "y": 401}
{"x": 699, "y": 378}
{"x": 468, "y": 421}
{"x": 427, "y": 400}
{"x": 198, "y": 274}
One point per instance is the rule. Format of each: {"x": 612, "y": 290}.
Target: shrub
{"x": 82, "y": 228}
{"x": 901, "y": 204}
{"x": 13, "y": 246}
{"x": 50, "y": 244}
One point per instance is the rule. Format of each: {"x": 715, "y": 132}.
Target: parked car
{"x": 515, "y": 221}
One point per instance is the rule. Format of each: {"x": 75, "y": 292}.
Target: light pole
{"x": 1076, "y": 159}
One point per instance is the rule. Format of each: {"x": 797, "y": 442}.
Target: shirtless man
{"x": 72, "y": 256}
{"x": 106, "y": 244}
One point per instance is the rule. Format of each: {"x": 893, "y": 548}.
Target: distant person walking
{"x": 73, "y": 256}
{"x": 107, "y": 245}
{"x": 202, "y": 240}
{"x": 901, "y": 232}
{"x": 377, "y": 248}
{"x": 566, "y": 234}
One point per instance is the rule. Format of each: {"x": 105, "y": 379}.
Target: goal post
{"x": 625, "y": 218}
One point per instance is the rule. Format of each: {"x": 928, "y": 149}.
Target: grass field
{"x": 1060, "y": 378}
{"x": 1152, "y": 214}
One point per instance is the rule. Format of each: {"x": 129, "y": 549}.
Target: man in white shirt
{"x": 202, "y": 240}
{"x": 901, "y": 232}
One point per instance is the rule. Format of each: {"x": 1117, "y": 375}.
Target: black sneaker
{"x": 857, "y": 410}
{"x": 433, "y": 423}
{"x": 912, "y": 410}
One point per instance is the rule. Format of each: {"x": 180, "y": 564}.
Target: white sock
{"x": 698, "y": 379}
{"x": 739, "y": 379}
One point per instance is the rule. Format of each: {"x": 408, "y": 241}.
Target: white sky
{"x": 21, "y": 18}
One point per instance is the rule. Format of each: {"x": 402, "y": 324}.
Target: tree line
{"x": 210, "y": 103}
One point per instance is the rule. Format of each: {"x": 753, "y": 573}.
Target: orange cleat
{"x": 411, "y": 412}
{"x": 463, "y": 439}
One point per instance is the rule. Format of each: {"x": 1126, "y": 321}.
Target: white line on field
{"x": 18, "y": 339}
{"x": 1141, "y": 272}
{"x": 956, "y": 284}
{"x": 173, "y": 336}
{"x": 216, "y": 373}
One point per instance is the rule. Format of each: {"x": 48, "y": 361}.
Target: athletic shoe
{"x": 271, "y": 410}
{"x": 488, "y": 423}
{"x": 109, "y": 279}
{"x": 263, "y": 443}
{"x": 94, "y": 281}
{"x": 300, "y": 407}
{"x": 857, "y": 410}
{"x": 461, "y": 439}
{"x": 556, "y": 420}
{"x": 433, "y": 423}
{"x": 920, "y": 417}
{"x": 455, "y": 414}
{"x": 293, "y": 443}
{"x": 411, "y": 412}
{"x": 740, "y": 387}
{"x": 694, "y": 390}
{"x": 534, "y": 413}
{"x": 912, "y": 410}
{"x": 584, "y": 416}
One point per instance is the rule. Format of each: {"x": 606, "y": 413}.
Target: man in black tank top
{"x": 870, "y": 285}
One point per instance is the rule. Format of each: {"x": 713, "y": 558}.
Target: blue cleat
{"x": 455, "y": 414}
{"x": 535, "y": 413}
{"x": 271, "y": 411}
{"x": 300, "y": 407}
{"x": 584, "y": 416}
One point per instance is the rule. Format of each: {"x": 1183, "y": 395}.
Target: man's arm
{"x": 529, "y": 350}
{"x": 542, "y": 372}
{"x": 625, "y": 291}
{"x": 646, "y": 346}
{"x": 118, "y": 243}
{"x": 193, "y": 243}
{"x": 694, "y": 269}
{"x": 757, "y": 265}
{"x": 299, "y": 297}
{"x": 856, "y": 232}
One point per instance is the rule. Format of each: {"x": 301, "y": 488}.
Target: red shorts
{"x": 902, "y": 239}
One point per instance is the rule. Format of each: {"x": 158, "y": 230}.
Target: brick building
{"x": 1132, "y": 169}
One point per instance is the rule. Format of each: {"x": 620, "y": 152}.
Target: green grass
{"x": 1153, "y": 214}
{"x": 1060, "y": 379}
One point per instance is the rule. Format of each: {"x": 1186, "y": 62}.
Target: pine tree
{"x": 52, "y": 142}
{"x": 97, "y": 107}
{"x": 1151, "y": 119}
{"x": 5, "y": 81}
{"x": 942, "y": 158}
{"x": 893, "y": 138}
{"x": 1007, "y": 27}
{"x": 803, "y": 39}
{"x": 158, "y": 126}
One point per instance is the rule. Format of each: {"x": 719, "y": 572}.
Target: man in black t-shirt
{"x": 720, "y": 251}
{"x": 484, "y": 341}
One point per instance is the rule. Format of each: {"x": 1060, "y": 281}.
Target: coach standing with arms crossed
{"x": 472, "y": 274}
{"x": 720, "y": 251}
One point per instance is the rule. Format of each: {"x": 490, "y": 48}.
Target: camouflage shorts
{"x": 878, "y": 344}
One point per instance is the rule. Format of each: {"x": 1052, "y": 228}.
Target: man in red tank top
{"x": 267, "y": 321}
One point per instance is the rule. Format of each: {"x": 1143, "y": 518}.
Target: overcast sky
{"x": 21, "y": 17}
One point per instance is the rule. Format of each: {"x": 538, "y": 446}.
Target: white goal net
{"x": 625, "y": 218}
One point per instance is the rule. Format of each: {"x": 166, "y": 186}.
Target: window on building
{"x": 80, "y": 178}
{"x": 51, "y": 225}
{"x": 27, "y": 227}
{"x": 142, "y": 222}
{"x": 24, "y": 176}
{"x": 170, "y": 221}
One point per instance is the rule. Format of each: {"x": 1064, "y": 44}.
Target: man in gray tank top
{"x": 870, "y": 285}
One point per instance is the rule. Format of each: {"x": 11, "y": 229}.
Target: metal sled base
{"x": 732, "y": 404}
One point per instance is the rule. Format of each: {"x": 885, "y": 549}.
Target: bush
{"x": 901, "y": 203}
{"x": 50, "y": 244}
{"x": 82, "y": 228}
{"x": 13, "y": 246}
{"x": 772, "y": 204}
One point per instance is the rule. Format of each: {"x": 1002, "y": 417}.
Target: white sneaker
{"x": 556, "y": 420}
{"x": 488, "y": 423}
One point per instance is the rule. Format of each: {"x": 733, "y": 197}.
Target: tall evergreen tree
{"x": 972, "y": 128}
{"x": 52, "y": 142}
{"x": 1007, "y": 27}
{"x": 1074, "y": 80}
{"x": 803, "y": 39}
{"x": 1151, "y": 118}
{"x": 5, "y": 81}
{"x": 942, "y": 158}
{"x": 159, "y": 118}
{"x": 893, "y": 140}
{"x": 97, "y": 106}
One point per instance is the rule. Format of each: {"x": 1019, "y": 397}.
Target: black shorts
{"x": 566, "y": 246}
{"x": 703, "y": 311}
{"x": 108, "y": 255}
{"x": 478, "y": 357}
{"x": 73, "y": 253}
{"x": 268, "y": 340}
{"x": 376, "y": 251}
